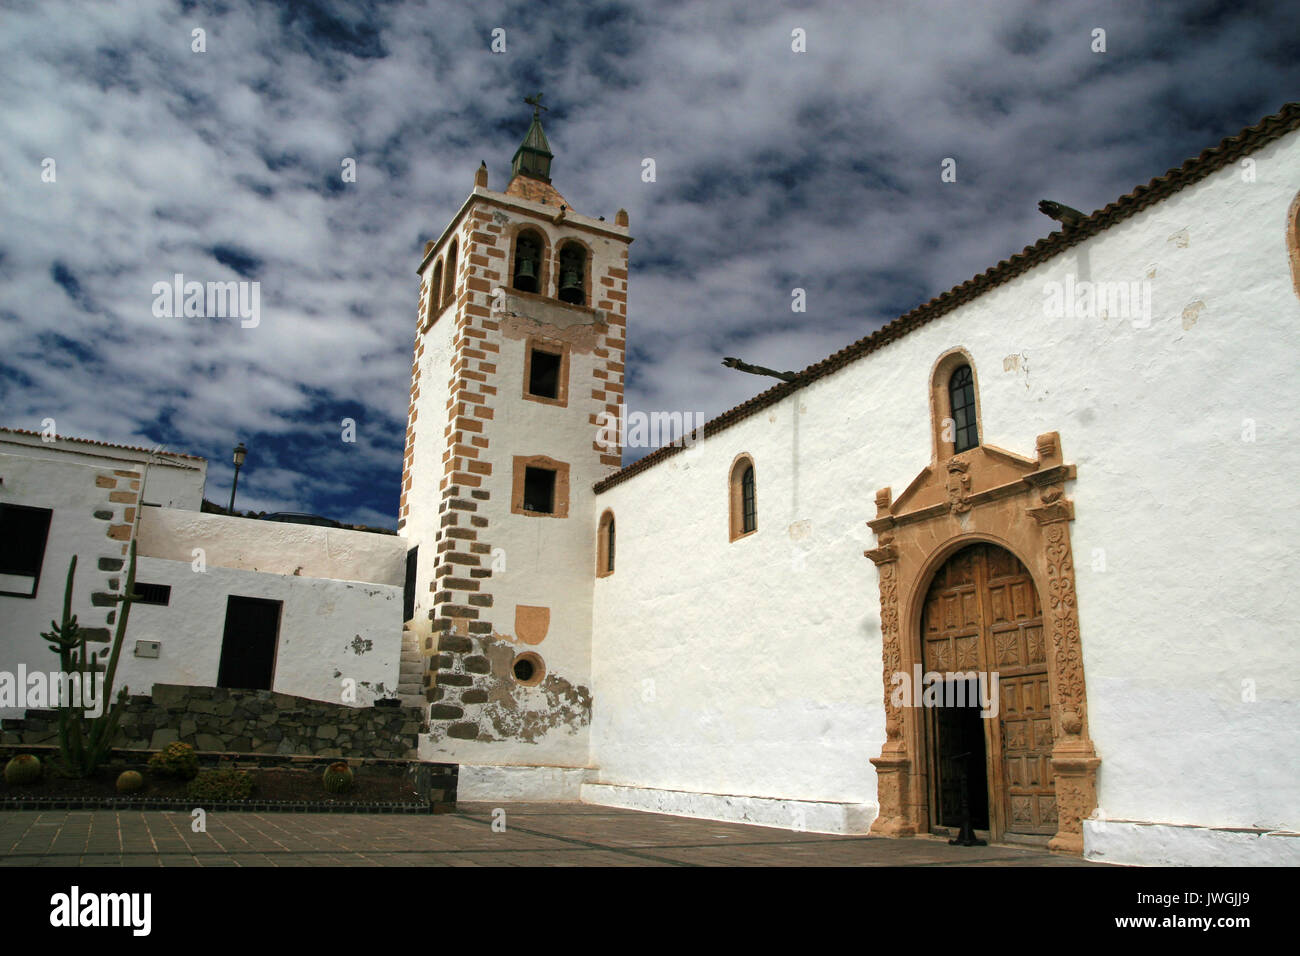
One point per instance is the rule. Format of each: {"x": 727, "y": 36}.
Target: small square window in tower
{"x": 544, "y": 374}
{"x": 539, "y": 490}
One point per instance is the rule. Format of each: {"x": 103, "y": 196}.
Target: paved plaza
{"x": 534, "y": 835}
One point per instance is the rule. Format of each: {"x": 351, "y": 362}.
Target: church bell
{"x": 526, "y": 274}
{"x": 571, "y": 286}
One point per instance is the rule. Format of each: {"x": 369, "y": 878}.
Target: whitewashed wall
{"x": 329, "y": 630}
{"x": 541, "y": 562}
{"x": 753, "y": 667}
{"x": 421, "y": 525}
{"x": 273, "y": 546}
{"x": 170, "y": 481}
{"x": 63, "y": 479}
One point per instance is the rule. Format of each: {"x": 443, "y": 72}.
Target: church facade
{"x": 1050, "y": 499}
{"x": 1020, "y": 560}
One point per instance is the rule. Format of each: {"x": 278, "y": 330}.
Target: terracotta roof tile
{"x": 1211, "y": 160}
{"x": 525, "y": 187}
{"x": 104, "y": 444}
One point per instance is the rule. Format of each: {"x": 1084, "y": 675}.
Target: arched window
{"x": 527, "y": 273}
{"x": 605, "y": 545}
{"x": 449, "y": 287}
{"x": 435, "y": 295}
{"x": 744, "y": 498}
{"x": 954, "y": 405}
{"x": 573, "y": 274}
{"x": 961, "y": 400}
{"x": 1293, "y": 241}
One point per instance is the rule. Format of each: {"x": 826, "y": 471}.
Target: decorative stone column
{"x": 893, "y": 766}
{"x": 1074, "y": 761}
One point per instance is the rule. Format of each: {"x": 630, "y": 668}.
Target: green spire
{"x": 533, "y": 157}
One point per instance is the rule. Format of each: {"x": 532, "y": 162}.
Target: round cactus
{"x": 129, "y": 781}
{"x": 338, "y": 778}
{"x": 22, "y": 769}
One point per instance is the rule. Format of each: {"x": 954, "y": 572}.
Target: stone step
{"x": 412, "y": 655}
{"x": 415, "y": 700}
{"x": 409, "y": 669}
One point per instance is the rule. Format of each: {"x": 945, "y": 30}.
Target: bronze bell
{"x": 526, "y": 275}
{"x": 571, "y": 286}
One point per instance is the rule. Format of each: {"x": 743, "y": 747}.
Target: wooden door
{"x": 248, "y": 647}
{"x": 982, "y": 614}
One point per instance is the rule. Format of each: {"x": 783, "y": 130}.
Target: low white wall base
{"x": 810, "y": 815}
{"x": 1165, "y": 844}
{"x": 479, "y": 783}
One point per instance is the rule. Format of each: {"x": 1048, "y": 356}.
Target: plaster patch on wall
{"x": 1181, "y": 238}
{"x": 1191, "y": 313}
{"x": 1019, "y": 362}
{"x": 360, "y": 645}
{"x": 799, "y": 530}
{"x": 582, "y": 331}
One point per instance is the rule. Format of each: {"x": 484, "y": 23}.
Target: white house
{"x": 225, "y": 601}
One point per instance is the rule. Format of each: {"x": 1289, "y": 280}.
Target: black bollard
{"x": 967, "y": 835}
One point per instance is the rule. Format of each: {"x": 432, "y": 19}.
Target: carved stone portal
{"x": 983, "y": 494}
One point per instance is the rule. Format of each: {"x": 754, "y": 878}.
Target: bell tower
{"x": 519, "y": 351}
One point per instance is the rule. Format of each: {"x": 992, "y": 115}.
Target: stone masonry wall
{"x": 217, "y": 719}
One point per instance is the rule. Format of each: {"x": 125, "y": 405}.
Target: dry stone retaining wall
{"x": 216, "y": 719}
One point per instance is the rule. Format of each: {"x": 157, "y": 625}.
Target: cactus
{"x": 22, "y": 769}
{"x": 224, "y": 783}
{"x": 338, "y": 778}
{"x": 84, "y": 742}
{"x": 129, "y": 781}
{"x": 177, "y": 759}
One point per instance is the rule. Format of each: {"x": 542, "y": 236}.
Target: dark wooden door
{"x": 249, "y": 643}
{"x": 982, "y": 614}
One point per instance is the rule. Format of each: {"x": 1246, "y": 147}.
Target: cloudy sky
{"x": 775, "y": 169}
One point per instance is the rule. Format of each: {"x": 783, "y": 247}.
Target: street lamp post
{"x": 240, "y": 454}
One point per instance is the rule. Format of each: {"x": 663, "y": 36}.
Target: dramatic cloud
{"x": 775, "y": 170}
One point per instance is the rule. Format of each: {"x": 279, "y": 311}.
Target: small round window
{"x": 528, "y": 669}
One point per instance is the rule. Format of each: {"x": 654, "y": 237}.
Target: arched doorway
{"x": 984, "y": 496}
{"x": 990, "y": 733}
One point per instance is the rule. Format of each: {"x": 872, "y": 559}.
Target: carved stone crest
{"x": 958, "y": 486}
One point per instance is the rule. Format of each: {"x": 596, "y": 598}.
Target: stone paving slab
{"x": 534, "y": 835}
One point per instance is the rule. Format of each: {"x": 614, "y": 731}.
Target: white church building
{"x": 1018, "y": 556}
